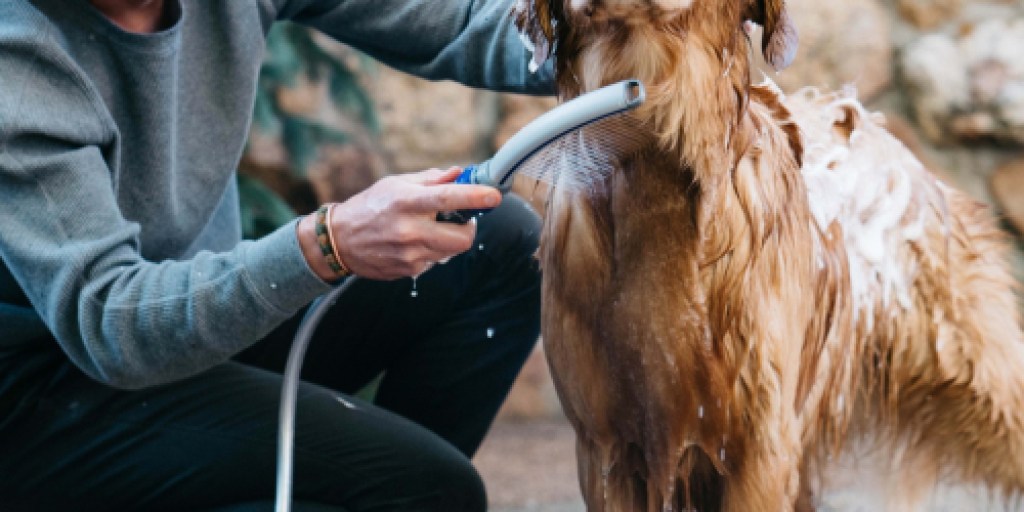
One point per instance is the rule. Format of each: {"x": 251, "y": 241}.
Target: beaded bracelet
{"x": 325, "y": 237}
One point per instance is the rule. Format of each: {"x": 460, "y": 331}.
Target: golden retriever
{"x": 771, "y": 289}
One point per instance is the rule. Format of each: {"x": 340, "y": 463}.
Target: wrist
{"x": 327, "y": 237}
{"x": 311, "y": 250}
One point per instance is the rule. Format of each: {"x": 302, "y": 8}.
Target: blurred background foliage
{"x": 295, "y": 60}
{"x": 293, "y": 56}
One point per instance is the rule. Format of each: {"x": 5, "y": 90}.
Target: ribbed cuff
{"x": 276, "y": 267}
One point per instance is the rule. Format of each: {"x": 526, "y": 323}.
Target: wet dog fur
{"x": 771, "y": 289}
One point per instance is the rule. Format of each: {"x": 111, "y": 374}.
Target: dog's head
{"x": 569, "y": 26}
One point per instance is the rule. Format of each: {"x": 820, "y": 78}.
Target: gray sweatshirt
{"x": 119, "y": 227}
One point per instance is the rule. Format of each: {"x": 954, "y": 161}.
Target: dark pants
{"x": 448, "y": 354}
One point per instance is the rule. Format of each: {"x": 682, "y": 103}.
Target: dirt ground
{"x": 530, "y": 466}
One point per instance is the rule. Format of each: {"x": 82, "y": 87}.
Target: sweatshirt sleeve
{"x": 470, "y": 41}
{"x": 123, "y": 320}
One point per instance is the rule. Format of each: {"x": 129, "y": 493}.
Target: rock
{"x": 423, "y": 124}
{"x": 1007, "y": 185}
{"x": 936, "y": 81}
{"x": 517, "y": 111}
{"x": 905, "y": 133}
{"x": 847, "y": 42}
{"x": 969, "y": 86}
{"x": 925, "y": 14}
{"x": 343, "y": 171}
{"x": 432, "y": 124}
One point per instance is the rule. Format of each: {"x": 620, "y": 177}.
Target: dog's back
{"x": 941, "y": 392}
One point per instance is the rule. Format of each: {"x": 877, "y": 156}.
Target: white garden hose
{"x": 290, "y": 391}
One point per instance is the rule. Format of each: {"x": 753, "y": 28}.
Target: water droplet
{"x": 700, "y": 412}
{"x": 490, "y": 332}
{"x": 481, "y": 247}
{"x": 414, "y": 292}
{"x": 273, "y": 286}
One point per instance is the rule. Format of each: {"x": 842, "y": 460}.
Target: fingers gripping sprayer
{"x": 572, "y": 146}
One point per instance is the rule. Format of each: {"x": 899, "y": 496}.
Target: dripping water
{"x": 605, "y": 471}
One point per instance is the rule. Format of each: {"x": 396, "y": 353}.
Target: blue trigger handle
{"x": 466, "y": 178}
{"x": 462, "y": 216}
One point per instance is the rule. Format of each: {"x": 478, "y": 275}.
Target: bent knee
{"x": 460, "y": 486}
{"x": 434, "y": 480}
{"x": 510, "y": 233}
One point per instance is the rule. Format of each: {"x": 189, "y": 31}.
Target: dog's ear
{"x": 780, "y": 39}
{"x": 536, "y": 28}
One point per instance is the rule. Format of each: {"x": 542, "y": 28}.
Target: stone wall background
{"x": 947, "y": 74}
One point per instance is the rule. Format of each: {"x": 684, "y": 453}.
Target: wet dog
{"x": 770, "y": 293}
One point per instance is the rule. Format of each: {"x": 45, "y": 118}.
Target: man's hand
{"x": 390, "y": 230}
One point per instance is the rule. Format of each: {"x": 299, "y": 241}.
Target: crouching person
{"x": 141, "y": 341}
